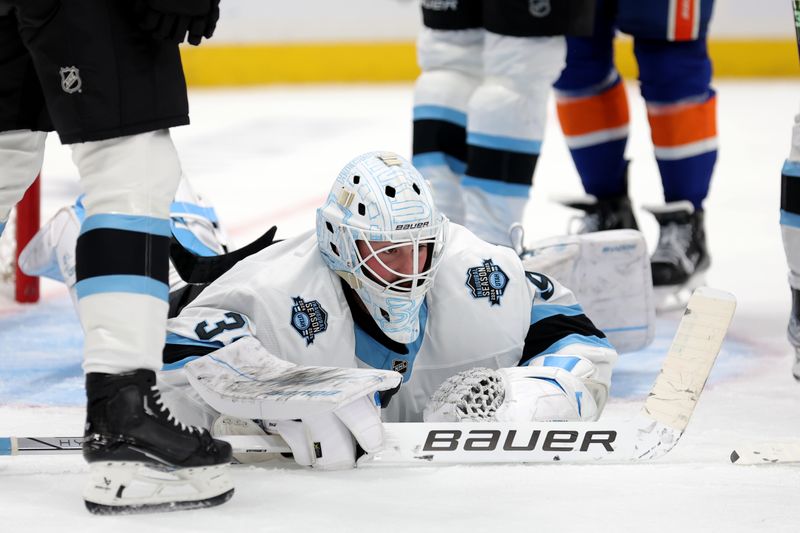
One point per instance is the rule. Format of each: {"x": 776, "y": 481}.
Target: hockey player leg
{"x": 122, "y": 275}
{"x": 21, "y": 155}
{"x": 681, "y": 108}
{"x": 451, "y": 70}
{"x": 506, "y": 122}
{"x": 790, "y": 231}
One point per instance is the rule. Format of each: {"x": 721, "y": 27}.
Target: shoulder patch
{"x": 542, "y": 283}
{"x": 487, "y": 281}
{"x": 308, "y": 318}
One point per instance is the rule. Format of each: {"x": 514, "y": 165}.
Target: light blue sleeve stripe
{"x": 436, "y": 112}
{"x": 190, "y": 241}
{"x": 438, "y": 159}
{"x": 122, "y": 283}
{"x": 791, "y": 168}
{"x": 577, "y": 338}
{"x": 2, "y": 227}
{"x": 174, "y": 338}
{"x": 508, "y": 144}
{"x": 499, "y": 188}
{"x": 180, "y": 364}
{"x": 542, "y": 311}
{"x": 179, "y": 208}
{"x": 5, "y": 446}
{"x": 151, "y": 225}
{"x": 790, "y": 219}
{"x": 567, "y": 362}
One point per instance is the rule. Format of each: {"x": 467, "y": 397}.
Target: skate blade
{"x": 128, "y": 488}
{"x": 675, "y": 297}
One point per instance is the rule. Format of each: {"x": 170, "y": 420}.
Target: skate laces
{"x": 673, "y": 245}
{"x": 168, "y": 414}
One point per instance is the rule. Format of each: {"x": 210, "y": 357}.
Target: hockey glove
{"x": 518, "y": 394}
{"x": 178, "y": 20}
{"x": 334, "y": 440}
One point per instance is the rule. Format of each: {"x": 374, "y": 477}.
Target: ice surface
{"x": 267, "y": 156}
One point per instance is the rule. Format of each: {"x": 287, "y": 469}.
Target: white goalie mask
{"x": 381, "y": 232}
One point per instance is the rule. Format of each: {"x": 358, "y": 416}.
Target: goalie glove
{"x": 178, "y": 20}
{"x": 334, "y": 440}
{"x": 517, "y": 394}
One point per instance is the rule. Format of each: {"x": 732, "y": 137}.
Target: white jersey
{"x": 483, "y": 310}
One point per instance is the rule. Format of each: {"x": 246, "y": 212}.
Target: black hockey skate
{"x": 142, "y": 459}
{"x": 602, "y": 214}
{"x": 681, "y": 258}
{"x": 793, "y": 332}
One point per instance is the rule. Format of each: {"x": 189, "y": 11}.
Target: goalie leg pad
{"x": 609, "y": 273}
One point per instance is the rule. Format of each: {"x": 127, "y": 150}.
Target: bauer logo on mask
{"x": 487, "y": 281}
{"x": 309, "y": 319}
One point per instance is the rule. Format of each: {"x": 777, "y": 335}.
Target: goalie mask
{"x": 381, "y": 232}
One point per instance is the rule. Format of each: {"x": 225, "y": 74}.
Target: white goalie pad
{"x": 609, "y": 273}
{"x": 244, "y": 380}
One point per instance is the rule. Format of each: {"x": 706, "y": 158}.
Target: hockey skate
{"x": 601, "y": 214}
{"x": 793, "y": 332}
{"x": 141, "y": 459}
{"x": 681, "y": 258}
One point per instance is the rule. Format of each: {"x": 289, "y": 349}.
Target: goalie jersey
{"x": 484, "y": 310}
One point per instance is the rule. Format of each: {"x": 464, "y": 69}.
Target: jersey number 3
{"x": 232, "y": 321}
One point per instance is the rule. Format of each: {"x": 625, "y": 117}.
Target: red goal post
{"x": 22, "y": 226}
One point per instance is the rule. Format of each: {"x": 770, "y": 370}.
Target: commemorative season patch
{"x": 487, "y": 281}
{"x": 308, "y": 318}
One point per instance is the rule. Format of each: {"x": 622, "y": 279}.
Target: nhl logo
{"x": 70, "y": 80}
{"x": 400, "y": 366}
{"x": 539, "y": 8}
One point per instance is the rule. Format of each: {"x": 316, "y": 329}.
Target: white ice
{"x": 266, "y": 156}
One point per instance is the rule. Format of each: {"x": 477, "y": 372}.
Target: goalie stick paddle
{"x": 654, "y": 432}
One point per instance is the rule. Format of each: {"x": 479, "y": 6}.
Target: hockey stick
{"x": 759, "y": 454}
{"x": 796, "y": 12}
{"x": 653, "y": 433}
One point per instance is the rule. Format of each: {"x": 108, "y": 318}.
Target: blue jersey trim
{"x": 179, "y": 364}
{"x": 139, "y": 224}
{"x": 191, "y": 242}
{"x": 177, "y": 209}
{"x": 124, "y": 284}
{"x": 542, "y": 311}
{"x": 376, "y": 355}
{"x": 5, "y": 446}
{"x": 791, "y": 168}
{"x": 499, "y": 188}
{"x": 174, "y": 338}
{"x": 446, "y": 114}
{"x": 506, "y": 144}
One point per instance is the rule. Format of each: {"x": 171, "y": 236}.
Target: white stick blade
{"x": 690, "y": 358}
